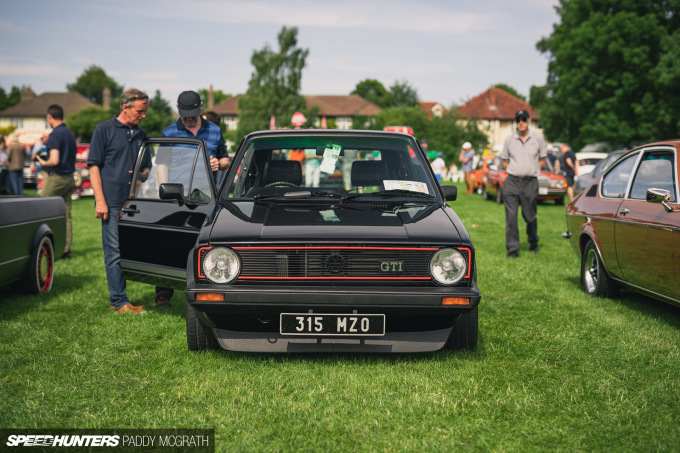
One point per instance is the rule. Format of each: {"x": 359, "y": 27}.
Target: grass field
{"x": 554, "y": 369}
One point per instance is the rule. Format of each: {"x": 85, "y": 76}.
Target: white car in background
{"x": 587, "y": 161}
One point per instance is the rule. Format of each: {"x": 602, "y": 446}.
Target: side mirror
{"x": 450, "y": 192}
{"x": 172, "y": 191}
{"x": 660, "y": 196}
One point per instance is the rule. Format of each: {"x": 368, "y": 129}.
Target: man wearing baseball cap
{"x": 523, "y": 156}
{"x": 191, "y": 124}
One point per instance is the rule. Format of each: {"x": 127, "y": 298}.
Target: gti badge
{"x": 391, "y": 266}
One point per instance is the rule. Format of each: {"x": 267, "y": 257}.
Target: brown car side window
{"x": 615, "y": 182}
{"x": 655, "y": 172}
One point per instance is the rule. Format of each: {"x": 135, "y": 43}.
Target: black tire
{"x": 499, "y": 195}
{"x": 39, "y": 274}
{"x": 465, "y": 332}
{"x": 594, "y": 277}
{"x": 559, "y": 201}
{"x": 199, "y": 336}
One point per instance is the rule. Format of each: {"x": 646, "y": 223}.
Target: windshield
{"x": 331, "y": 166}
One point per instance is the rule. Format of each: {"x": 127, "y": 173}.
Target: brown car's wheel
{"x": 40, "y": 271}
{"x": 199, "y": 336}
{"x": 465, "y": 332}
{"x": 594, "y": 277}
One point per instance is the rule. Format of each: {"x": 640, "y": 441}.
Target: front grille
{"x": 337, "y": 264}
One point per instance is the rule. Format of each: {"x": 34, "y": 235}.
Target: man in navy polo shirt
{"x": 113, "y": 153}
{"x": 59, "y": 166}
{"x": 191, "y": 124}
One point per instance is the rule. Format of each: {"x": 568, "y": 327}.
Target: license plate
{"x": 543, "y": 191}
{"x": 324, "y": 324}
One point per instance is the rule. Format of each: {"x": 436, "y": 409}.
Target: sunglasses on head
{"x": 522, "y": 119}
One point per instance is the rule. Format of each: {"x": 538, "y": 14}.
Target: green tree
{"x": 612, "y": 72}
{"x": 91, "y": 84}
{"x": 274, "y": 85}
{"x": 13, "y": 98}
{"x": 158, "y": 117}
{"x": 511, "y": 90}
{"x": 82, "y": 123}
{"x": 403, "y": 95}
{"x": 373, "y": 91}
{"x": 219, "y": 96}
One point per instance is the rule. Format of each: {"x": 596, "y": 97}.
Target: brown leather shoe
{"x": 130, "y": 308}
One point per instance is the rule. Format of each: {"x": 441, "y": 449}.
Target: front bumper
{"x": 415, "y": 319}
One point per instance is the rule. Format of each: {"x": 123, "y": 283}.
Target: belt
{"x": 524, "y": 178}
{"x": 54, "y": 173}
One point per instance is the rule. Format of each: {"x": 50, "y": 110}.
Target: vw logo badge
{"x": 335, "y": 263}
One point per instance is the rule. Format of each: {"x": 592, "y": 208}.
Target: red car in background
{"x": 81, "y": 175}
{"x": 551, "y": 186}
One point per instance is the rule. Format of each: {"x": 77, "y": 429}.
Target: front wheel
{"x": 594, "y": 278}
{"x": 40, "y": 271}
{"x": 465, "y": 332}
{"x": 199, "y": 336}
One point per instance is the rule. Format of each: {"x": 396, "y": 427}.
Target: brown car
{"x": 625, "y": 226}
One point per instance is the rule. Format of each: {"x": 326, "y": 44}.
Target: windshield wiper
{"x": 313, "y": 193}
{"x": 298, "y": 194}
{"x": 388, "y": 194}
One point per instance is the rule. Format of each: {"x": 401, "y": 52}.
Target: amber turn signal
{"x": 211, "y": 297}
{"x": 455, "y": 301}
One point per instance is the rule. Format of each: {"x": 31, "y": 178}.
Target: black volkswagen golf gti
{"x": 317, "y": 240}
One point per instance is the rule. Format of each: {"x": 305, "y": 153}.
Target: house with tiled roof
{"x": 340, "y": 109}
{"x": 433, "y": 109}
{"x": 494, "y": 111}
{"x": 30, "y": 115}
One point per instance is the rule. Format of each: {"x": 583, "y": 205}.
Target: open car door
{"x": 172, "y": 190}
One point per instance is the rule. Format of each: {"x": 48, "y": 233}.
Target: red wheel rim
{"x": 45, "y": 266}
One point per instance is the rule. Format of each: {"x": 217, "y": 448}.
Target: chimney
{"x": 211, "y": 98}
{"x": 27, "y": 94}
{"x": 106, "y": 99}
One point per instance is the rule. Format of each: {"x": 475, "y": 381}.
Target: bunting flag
{"x": 272, "y": 123}
{"x": 324, "y": 124}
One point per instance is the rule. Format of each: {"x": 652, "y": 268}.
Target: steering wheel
{"x": 281, "y": 183}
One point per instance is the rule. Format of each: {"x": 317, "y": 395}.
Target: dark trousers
{"x": 520, "y": 192}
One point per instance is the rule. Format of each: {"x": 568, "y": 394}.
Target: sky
{"x": 449, "y": 51}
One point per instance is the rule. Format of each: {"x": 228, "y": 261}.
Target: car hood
{"x": 419, "y": 223}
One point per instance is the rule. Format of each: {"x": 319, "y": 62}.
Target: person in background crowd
{"x": 438, "y": 166}
{"x": 212, "y": 117}
{"x": 59, "y": 167}
{"x": 523, "y": 156}
{"x": 38, "y": 147}
{"x": 467, "y": 155}
{"x": 16, "y": 156}
{"x": 113, "y": 154}
{"x": 191, "y": 124}
{"x": 552, "y": 162}
{"x": 570, "y": 166}
{"x": 3, "y": 167}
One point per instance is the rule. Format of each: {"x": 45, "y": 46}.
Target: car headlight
{"x": 557, "y": 183}
{"x": 221, "y": 265}
{"x": 448, "y": 266}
